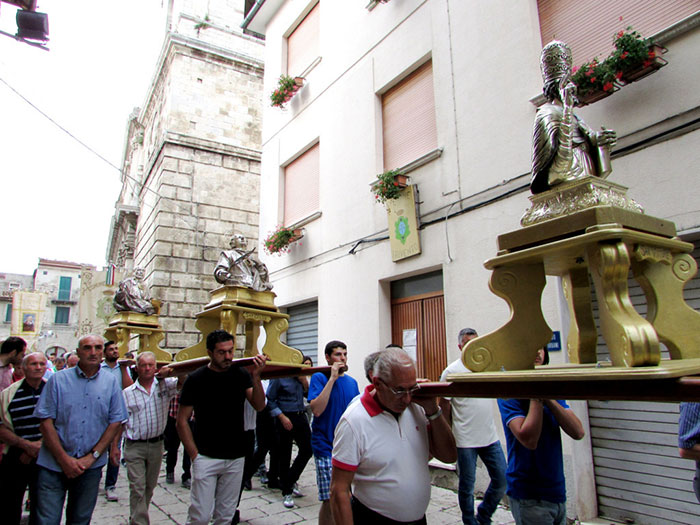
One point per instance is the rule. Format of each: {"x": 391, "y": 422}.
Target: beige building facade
{"x": 447, "y": 90}
{"x": 191, "y": 166}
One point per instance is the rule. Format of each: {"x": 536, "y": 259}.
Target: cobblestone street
{"x": 260, "y": 505}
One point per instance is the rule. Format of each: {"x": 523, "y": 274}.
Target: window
{"x": 303, "y": 43}
{"x": 588, "y": 26}
{"x": 64, "y": 289}
{"x": 408, "y": 119}
{"x": 8, "y": 313}
{"x": 301, "y": 186}
{"x": 62, "y": 315}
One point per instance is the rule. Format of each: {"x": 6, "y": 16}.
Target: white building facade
{"x": 447, "y": 90}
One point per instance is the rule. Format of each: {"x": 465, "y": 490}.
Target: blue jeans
{"x": 51, "y": 493}
{"x": 537, "y": 512}
{"x": 495, "y": 461}
{"x": 111, "y": 474}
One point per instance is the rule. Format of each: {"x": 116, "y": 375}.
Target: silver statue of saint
{"x": 133, "y": 296}
{"x": 563, "y": 147}
{"x": 240, "y": 267}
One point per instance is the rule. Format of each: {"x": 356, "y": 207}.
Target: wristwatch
{"x": 96, "y": 454}
{"x": 436, "y": 415}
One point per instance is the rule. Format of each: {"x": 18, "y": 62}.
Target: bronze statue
{"x": 132, "y": 296}
{"x": 239, "y": 267}
{"x": 564, "y": 147}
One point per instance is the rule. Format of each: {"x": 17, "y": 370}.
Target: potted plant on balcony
{"x": 388, "y": 185}
{"x": 278, "y": 241}
{"x": 287, "y": 87}
{"x": 634, "y": 57}
{"x": 594, "y": 80}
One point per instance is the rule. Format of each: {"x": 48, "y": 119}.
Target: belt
{"x": 149, "y": 440}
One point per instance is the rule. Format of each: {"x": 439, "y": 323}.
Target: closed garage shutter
{"x": 303, "y": 329}
{"x": 639, "y": 477}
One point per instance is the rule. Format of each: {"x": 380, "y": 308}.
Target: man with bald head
{"x": 81, "y": 409}
{"x": 382, "y": 447}
{"x": 19, "y": 433}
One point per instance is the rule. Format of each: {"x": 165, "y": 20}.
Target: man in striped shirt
{"x": 19, "y": 431}
{"x": 147, "y": 402}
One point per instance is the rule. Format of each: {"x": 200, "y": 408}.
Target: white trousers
{"x": 216, "y": 485}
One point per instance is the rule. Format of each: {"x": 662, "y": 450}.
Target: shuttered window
{"x": 588, "y": 26}
{"x": 62, "y": 315}
{"x": 301, "y": 186}
{"x": 408, "y": 119}
{"x": 303, "y": 330}
{"x": 303, "y": 43}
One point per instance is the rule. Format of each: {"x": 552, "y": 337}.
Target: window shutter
{"x": 408, "y": 119}
{"x": 8, "y": 313}
{"x": 64, "y": 287}
{"x": 588, "y": 26}
{"x": 303, "y": 43}
{"x": 301, "y": 179}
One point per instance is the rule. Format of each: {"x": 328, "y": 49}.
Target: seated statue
{"x": 132, "y": 296}
{"x": 564, "y": 147}
{"x": 241, "y": 268}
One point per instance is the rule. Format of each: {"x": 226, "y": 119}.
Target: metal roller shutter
{"x": 303, "y": 329}
{"x": 639, "y": 477}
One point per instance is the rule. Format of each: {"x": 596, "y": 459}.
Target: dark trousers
{"x": 15, "y": 477}
{"x": 301, "y": 435}
{"x": 365, "y": 515}
{"x": 266, "y": 441}
{"x": 172, "y": 444}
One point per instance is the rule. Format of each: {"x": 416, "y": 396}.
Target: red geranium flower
{"x": 621, "y": 33}
{"x": 607, "y": 86}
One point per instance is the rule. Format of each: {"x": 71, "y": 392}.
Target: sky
{"x": 56, "y": 197}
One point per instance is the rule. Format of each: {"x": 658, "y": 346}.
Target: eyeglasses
{"x": 400, "y": 392}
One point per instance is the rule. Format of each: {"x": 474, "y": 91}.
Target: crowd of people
{"x": 60, "y": 425}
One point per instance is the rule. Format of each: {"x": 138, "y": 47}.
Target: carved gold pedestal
{"x": 125, "y": 324}
{"x": 230, "y": 306}
{"x": 606, "y": 242}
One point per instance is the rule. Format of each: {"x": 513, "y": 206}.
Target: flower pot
{"x": 589, "y": 97}
{"x": 647, "y": 67}
{"x": 401, "y": 180}
{"x": 299, "y": 81}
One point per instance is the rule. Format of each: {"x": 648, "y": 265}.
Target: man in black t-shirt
{"x": 216, "y": 394}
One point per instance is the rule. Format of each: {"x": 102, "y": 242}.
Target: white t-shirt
{"x": 472, "y": 418}
{"x": 388, "y": 456}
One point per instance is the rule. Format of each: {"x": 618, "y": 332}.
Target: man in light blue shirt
{"x": 81, "y": 409}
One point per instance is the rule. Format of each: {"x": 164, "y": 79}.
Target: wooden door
{"x": 424, "y": 313}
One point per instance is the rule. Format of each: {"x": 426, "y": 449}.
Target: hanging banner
{"x": 403, "y": 225}
{"x": 27, "y": 314}
{"x": 97, "y": 288}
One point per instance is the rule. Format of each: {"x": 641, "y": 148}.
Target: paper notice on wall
{"x": 409, "y": 342}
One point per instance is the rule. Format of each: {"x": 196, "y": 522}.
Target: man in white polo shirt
{"x": 475, "y": 432}
{"x": 382, "y": 447}
{"x": 147, "y": 403}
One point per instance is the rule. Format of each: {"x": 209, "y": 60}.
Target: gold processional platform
{"x": 605, "y": 241}
{"x": 124, "y": 325}
{"x": 230, "y": 306}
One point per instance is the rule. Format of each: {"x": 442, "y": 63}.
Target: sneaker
{"x": 170, "y": 478}
{"x": 296, "y": 492}
{"x": 111, "y": 494}
{"x": 187, "y": 484}
{"x": 263, "y": 478}
{"x": 289, "y": 501}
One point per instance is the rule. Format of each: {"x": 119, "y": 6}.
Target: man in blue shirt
{"x": 535, "y": 473}
{"x": 328, "y": 398}
{"x": 81, "y": 409}
{"x": 689, "y": 439}
{"x": 285, "y": 397}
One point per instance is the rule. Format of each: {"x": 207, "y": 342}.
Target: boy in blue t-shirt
{"x": 328, "y": 398}
{"x": 535, "y": 473}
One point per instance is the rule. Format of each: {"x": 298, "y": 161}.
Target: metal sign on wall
{"x": 403, "y": 225}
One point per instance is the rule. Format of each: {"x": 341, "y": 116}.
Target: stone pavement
{"x": 259, "y": 506}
